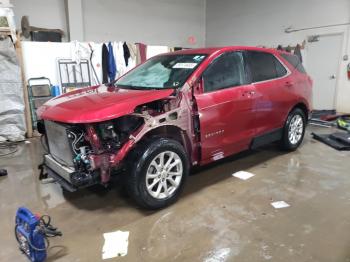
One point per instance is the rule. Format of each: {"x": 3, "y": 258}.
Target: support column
{"x": 74, "y": 11}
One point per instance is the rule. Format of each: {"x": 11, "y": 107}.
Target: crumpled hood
{"x": 98, "y": 103}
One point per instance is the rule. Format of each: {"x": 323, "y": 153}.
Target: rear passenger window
{"x": 295, "y": 62}
{"x": 265, "y": 66}
{"x": 226, "y": 71}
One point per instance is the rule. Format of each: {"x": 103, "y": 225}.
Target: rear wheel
{"x": 294, "y": 130}
{"x": 157, "y": 172}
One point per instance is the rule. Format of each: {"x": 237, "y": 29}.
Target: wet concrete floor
{"x": 218, "y": 217}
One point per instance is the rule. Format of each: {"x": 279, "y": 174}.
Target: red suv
{"x": 175, "y": 111}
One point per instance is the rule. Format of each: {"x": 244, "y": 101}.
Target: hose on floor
{"x": 8, "y": 148}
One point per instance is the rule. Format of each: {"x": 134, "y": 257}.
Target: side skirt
{"x": 266, "y": 138}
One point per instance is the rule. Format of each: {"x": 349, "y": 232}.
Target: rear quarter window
{"x": 294, "y": 61}
{"x": 265, "y": 66}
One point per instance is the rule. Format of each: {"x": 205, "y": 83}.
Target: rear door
{"x": 272, "y": 86}
{"x": 225, "y": 107}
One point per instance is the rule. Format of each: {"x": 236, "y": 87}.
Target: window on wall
{"x": 265, "y": 66}
{"x": 226, "y": 71}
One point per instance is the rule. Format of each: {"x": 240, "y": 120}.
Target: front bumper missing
{"x": 69, "y": 178}
{"x": 60, "y": 173}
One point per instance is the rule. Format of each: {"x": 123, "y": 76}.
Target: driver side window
{"x": 226, "y": 71}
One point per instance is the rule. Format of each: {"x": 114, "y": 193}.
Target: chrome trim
{"x": 55, "y": 166}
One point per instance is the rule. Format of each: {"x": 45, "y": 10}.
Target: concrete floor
{"x": 218, "y": 217}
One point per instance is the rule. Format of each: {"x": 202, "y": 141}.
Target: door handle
{"x": 332, "y": 77}
{"x": 248, "y": 93}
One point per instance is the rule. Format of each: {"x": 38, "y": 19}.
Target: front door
{"x": 323, "y": 58}
{"x": 225, "y": 108}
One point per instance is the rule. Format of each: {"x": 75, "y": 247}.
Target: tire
{"x": 294, "y": 130}
{"x": 145, "y": 169}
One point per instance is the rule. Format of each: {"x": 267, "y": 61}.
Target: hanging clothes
{"x": 104, "y": 64}
{"x": 288, "y": 49}
{"x": 95, "y": 59}
{"x": 141, "y": 53}
{"x": 119, "y": 58}
{"x": 133, "y": 55}
{"x": 297, "y": 52}
{"x": 112, "y": 68}
{"x": 126, "y": 54}
{"x": 280, "y": 47}
{"x": 79, "y": 51}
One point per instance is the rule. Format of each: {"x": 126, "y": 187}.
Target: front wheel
{"x": 157, "y": 172}
{"x": 294, "y": 130}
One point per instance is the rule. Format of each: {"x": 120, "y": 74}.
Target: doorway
{"x": 323, "y": 57}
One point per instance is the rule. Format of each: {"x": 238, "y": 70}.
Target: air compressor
{"x": 32, "y": 233}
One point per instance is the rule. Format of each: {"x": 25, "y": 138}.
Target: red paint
{"x": 93, "y": 138}
{"x": 246, "y": 111}
{"x": 96, "y": 104}
{"x": 229, "y": 118}
{"x": 116, "y": 158}
{"x": 230, "y": 110}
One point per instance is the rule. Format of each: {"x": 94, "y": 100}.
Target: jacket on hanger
{"x": 104, "y": 64}
{"x": 112, "y": 68}
{"x": 119, "y": 58}
{"x": 126, "y": 54}
{"x": 297, "y": 52}
{"x": 141, "y": 53}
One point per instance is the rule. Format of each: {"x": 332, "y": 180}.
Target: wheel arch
{"x": 171, "y": 132}
{"x": 303, "y": 107}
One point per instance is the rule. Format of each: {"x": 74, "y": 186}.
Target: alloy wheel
{"x": 295, "y": 130}
{"x": 164, "y": 175}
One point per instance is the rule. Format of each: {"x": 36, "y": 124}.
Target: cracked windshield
{"x": 165, "y": 71}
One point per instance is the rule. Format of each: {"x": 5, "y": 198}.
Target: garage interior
{"x": 218, "y": 217}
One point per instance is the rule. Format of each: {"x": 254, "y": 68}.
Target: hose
{"x": 12, "y": 147}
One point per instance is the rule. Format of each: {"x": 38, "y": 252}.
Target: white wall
{"x": 40, "y": 59}
{"x": 256, "y": 22}
{"x": 154, "y": 22}
{"x": 157, "y": 22}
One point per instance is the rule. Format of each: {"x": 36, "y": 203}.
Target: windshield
{"x": 160, "y": 72}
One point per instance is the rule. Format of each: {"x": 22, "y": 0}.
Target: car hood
{"x": 98, "y": 103}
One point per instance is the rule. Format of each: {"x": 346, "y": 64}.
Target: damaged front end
{"x": 84, "y": 154}
{"x": 87, "y": 154}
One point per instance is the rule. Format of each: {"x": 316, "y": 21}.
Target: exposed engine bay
{"x": 80, "y": 147}
{"x": 93, "y": 151}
